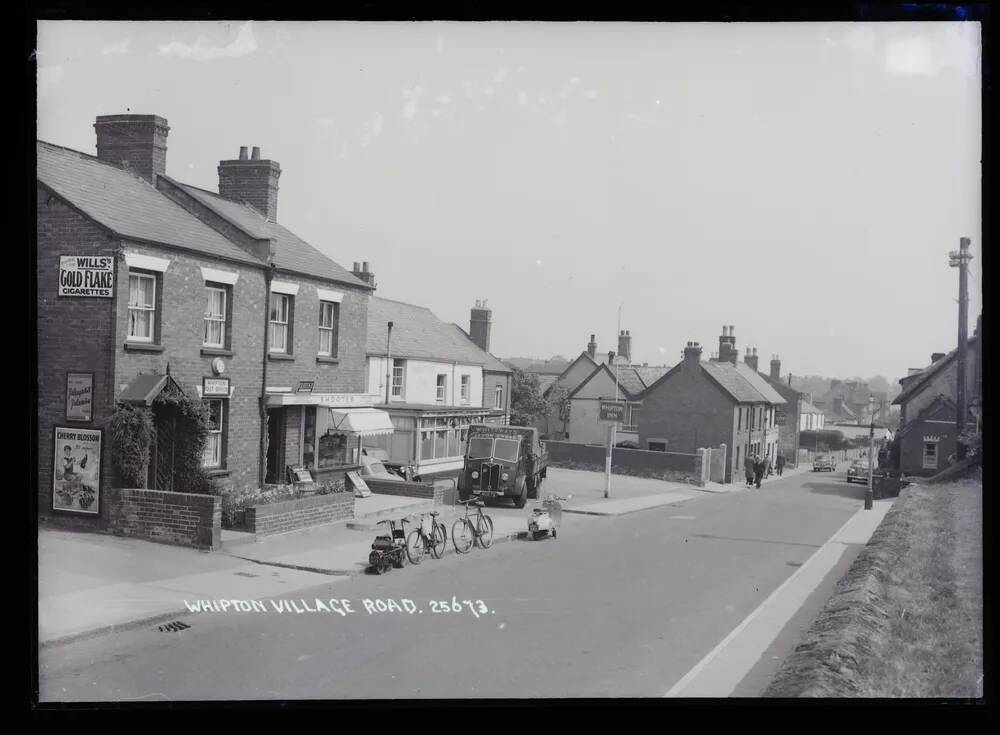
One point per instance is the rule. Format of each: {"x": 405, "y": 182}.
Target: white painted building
{"x": 434, "y": 381}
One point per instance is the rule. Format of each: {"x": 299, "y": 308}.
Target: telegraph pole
{"x": 960, "y": 259}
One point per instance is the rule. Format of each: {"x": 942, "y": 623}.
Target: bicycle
{"x": 429, "y": 535}
{"x": 465, "y": 532}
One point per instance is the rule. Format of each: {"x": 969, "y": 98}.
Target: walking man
{"x": 781, "y": 464}
{"x": 758, "y": 470}
{"x": 748, "y": 469}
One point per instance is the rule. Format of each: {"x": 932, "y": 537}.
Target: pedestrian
{"x": 758, "y": 470}
{"x": 780, "y": 464}
{"x": 769, "y": 471}
{"x": 748, "y": 469}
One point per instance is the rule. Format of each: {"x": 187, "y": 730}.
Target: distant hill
{"x": 818, "y": 385}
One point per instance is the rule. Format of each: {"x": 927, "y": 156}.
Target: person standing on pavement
{"x": 780, "y": 464}
{"x": 758, "y": 471}
{"x": 748, "y": 469}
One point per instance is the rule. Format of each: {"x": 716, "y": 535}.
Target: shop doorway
{"x": 275, "y": 446}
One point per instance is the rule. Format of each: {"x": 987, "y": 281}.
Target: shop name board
{"x": 612, "y": 411}
{"x": 494, "y": 431}
{"x": 215, "y": 387}
{"x": 86, "y": 276}
{"x": 347, "y": 399}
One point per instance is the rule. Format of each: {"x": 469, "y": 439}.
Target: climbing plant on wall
{"x": 190, "y": 435}
{"x": 131, "y": 437}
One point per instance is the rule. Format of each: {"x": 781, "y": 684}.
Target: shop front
{"x": 323, "y": 433}
{"x": 431, "y": 438}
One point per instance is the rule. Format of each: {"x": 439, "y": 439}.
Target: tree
{"x": 526, "y": 403}
{"x": 558, "y": 400}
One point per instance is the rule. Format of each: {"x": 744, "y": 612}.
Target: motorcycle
{"x": 388, "y": 550}
{"x": 546, "y": 517}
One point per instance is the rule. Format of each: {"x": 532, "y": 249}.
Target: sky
{"x": 803, "y": 182}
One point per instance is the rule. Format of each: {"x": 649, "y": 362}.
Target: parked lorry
{"x": 503, "y": 462}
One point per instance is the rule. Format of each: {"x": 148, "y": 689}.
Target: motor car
{"x": 858, "y": 472}
{"x": 824, "y": 464}
{"x": 372, "y": 467}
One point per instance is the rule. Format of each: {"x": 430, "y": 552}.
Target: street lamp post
{"x": 960, "y": 259}
{"x": 869, "y": 492}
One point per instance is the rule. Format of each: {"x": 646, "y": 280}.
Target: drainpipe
{"x": 262, "y": 469}
{"x": 388, "y": 363}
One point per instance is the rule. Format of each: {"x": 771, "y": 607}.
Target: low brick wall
{"x": 671, "y": 466}
{"x": 183, "y": 519}
{"x": 427, "y": 490}
{"x": 291, "y": 515}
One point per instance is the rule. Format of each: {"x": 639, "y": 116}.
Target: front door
{"x": 275, "y": 445}
{"x": 161, "y": 460}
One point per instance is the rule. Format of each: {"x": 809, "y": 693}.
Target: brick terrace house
{"x": 701, "y": 404}
{"x": 440, "y": 380}
{"x": 788, "y": 418}
{"x": 209, "y": 295}
{"x": 928, "y": 410}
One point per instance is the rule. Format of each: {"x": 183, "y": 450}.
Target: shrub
{"x": 131, "y": 437}
{"x": 190, "y": 435}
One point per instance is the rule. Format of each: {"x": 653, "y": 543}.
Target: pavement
{"x": 91, "y": 584}
{"x": 615, "y": 606}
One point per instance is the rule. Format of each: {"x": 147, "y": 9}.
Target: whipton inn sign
{"x": 86, "y": 276}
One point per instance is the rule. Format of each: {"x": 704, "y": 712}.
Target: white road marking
{"x": 725, "y": 666}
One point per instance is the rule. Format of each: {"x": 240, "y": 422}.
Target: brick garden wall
{"x": 183, "y": 519}
{"x": 428, "y": 490}
{"x": 673, "y": 466}
{"x": 292, "y": 515}
{"x": 74, "y": 334}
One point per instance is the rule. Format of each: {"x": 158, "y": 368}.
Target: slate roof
{"x": 650, "y": 374}
{"x": 418, "y": 334}
{"x": 916, "y": 382}
{"x": 733, "y": 382}
{"x": 545, "y": 382}
{"x": 760, "y": 384}
{"x": 628, "y": 381}
{"x": 292, "y": 253}
{"x": 492, "y": 363}
{"x": 127, "y": 204}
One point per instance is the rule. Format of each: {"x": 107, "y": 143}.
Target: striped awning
{"x": 360, "y": 421}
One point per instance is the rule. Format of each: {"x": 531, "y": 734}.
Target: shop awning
{"x": 360, "y": 421}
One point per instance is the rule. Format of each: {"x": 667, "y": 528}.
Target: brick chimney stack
{"x": 751, "y": 359}
{"x": 937, "y": 356}
{"x": 592, "y": 348}
{"x": 692, "y": 354}
{"x": 361, "y": 272}
{"x": 480, "y": 323}
{"x": 775, "y": 367}
{"x": 625, "y": 345}
{"x": 611, "y": 357}
{"x": 252, "y": 181}
{"x": 138, "y": 142}
{"x": 727, "y": 345}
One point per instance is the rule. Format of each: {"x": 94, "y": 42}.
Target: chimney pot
{"x": 364, "y": 267}
{"x": 357, "y": 267}
{"x": 243, "y": 153}
{"x": 255, "y": 156}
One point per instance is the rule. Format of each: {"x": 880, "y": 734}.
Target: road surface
{"x": 614, "y": 607}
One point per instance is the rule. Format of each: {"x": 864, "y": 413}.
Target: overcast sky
{"x": 802, "y": 182}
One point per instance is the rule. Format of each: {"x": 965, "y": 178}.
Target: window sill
{"x": 217, "y": 472}
{"x": 216, "y": 352}
{"x": 143, "y": 347}
{"x": 279, "y": 356}
{"x": 327, "y": 360}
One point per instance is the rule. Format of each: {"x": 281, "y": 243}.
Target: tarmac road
{"x": 614, "y": 607}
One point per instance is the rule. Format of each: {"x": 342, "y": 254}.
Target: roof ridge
{"x": 407, "y": 303}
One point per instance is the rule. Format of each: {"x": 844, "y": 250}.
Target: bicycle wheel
{"x": 462, "y": 535}
{"x": 415, "y": 547}
{"x": 485, "y": 535}
{"x": 440, "y": 541}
